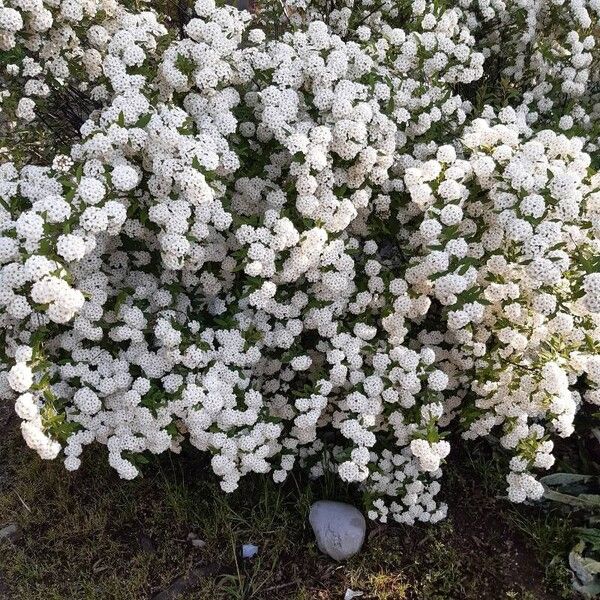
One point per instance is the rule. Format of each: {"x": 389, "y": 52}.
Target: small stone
{"x": 195, "y": 540}
{"x": 11, "y": 532}
{"x": 339, "y": 528}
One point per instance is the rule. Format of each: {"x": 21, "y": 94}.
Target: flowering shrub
{"x": 323, "y": 233}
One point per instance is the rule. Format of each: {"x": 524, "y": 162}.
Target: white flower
{"x": 70, "y": 247}
{"x": 124, "y": 177}
{"x": 20, "y": 377}
{"x": 26, "y": 109}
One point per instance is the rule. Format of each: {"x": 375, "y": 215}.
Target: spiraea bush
{"x": 324, "y": 233}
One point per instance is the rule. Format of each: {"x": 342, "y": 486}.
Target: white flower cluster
{"x": 327, "y": 247}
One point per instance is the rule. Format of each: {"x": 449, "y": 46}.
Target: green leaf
{"x": 143, "y": 120}
{"x": 584, "y": 568}
{"x": 589, "y": 501}
{"x": 589, "y": 535}
{"x": 560, "y": 479}
{"x": 591, "y": 590}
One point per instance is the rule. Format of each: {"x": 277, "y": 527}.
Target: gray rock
{"x": 11, "y": 532}
{"x": 339, "y": 528}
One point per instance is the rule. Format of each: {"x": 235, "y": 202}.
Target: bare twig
{"x": 22, "y": 501}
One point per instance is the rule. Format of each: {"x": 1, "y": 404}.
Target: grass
{"x": 88, "y": 535}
